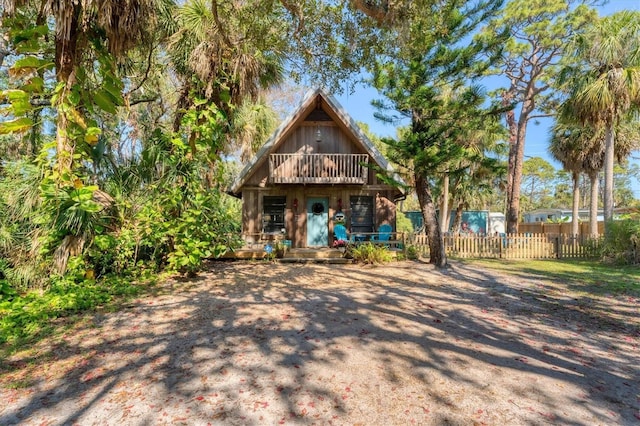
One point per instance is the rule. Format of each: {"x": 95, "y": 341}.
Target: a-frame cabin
{"x": 314, "y": 172}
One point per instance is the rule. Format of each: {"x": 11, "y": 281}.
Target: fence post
{"x": 404, "y": 244}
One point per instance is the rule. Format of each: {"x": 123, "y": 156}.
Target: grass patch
{"x": 28, "y": 318}
{"x": 20, "y": 384}
{"x": 581, "y": 275}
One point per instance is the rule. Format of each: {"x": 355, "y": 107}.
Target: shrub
{"x": 370, "y": 253}
{"x": 412, "y": 252}
{"x": 621, "y": 244}
{"x": 28, "y": 315}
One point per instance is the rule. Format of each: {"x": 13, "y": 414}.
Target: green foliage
{"x": 429, "y": 79}
{"x": 201, "y": 231}
{"x": 621, "y": 244}
{"x": 370, "y": 253}
{"x": 403, "y": 223}
{"x": 33, "y": 314}
{"x": 74, "y": 210}
{"x": 605, "y": 84}
{"x": 412, "y": 252}
{"x": 21, "y": 236}
{"x": 538, "y": 176}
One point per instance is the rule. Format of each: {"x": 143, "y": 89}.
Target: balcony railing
{"x": 319, "y": 168}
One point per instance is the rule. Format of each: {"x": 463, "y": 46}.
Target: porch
{"x": 296, "y": 255}
{"x": 319, "y": 168}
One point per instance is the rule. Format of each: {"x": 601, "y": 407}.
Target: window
{"x": 361, "y": 213}
{"x": 273, "y": 214}
{"x": 317, "y": 208}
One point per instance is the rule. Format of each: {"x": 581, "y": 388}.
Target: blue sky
{"x": 358, "y": 104}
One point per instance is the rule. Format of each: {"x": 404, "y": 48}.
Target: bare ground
{"x": 258, "y": 343}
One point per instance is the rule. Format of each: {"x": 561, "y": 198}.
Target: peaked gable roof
{"x": 310, "y": 99}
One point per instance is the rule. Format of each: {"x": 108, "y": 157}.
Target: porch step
{"x": 245, "y": 254}
{"x": 326, "y": 255}
{"x": 333, "y": 261}
{"x": 309, "y": 253}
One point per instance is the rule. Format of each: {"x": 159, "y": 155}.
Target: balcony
{"x": 319, "y": 168}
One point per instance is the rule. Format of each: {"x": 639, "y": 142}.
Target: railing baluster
{"x": 318, "y": 168}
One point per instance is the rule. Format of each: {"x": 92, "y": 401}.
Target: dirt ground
{"x": 258, "y": 343}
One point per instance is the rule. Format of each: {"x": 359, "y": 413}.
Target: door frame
{"x": 308, "y": 203}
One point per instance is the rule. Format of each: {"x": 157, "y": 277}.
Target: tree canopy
{"x": 124, "y": 121}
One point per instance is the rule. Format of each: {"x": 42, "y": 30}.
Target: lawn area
{"x": 581, "y": 276}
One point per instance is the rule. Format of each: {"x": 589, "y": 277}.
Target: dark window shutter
{"x": 273, "y": 213}
{"x": 361, "y": 213}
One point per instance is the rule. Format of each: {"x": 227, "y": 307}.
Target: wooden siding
{"x": 302, "y": 141}
{"x": 319, "y": 168}
{"x": 296, "y": 218}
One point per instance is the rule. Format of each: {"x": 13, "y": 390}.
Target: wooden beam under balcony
{"x": 319, "y": 168}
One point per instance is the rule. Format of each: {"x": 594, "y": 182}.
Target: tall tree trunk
{"x": 517, "y": 137}
{"x": 437, "y": 254}
{"x": 593, "y": 207}
{"x": 444, "y": 206}
{"x": 4, "y": 51}
{"x": 516, "y": 160}
{"x": 608, "y": 175}
{"x": 66, "y": 59}
{"x": 575, "y": 222}
{"x": 457, "y": 221}
{"x": 512, "y": 125}
{"x": 184, "y": 102}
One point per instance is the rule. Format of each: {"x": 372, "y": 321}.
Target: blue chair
{"x": 340, "y": 233}
{"x": 384, "y": 232}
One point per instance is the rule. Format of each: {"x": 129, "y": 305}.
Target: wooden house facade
{"x": 317, "y": 170}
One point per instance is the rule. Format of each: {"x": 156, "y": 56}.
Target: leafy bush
{"x": 621, "y": 244}
{"x": 7, "y": 292}
{"x": 68, "y": 245}
{"x": 370, "y": 253}
{"x": 31, "y": 314}
{"x": 22, "y": 237}
{"x": 202, "y": 230}
{"x": 412, "y": 252}
{"x": 403, "y": 223}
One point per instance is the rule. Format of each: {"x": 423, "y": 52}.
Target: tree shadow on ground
{"x": 255, "y": 343}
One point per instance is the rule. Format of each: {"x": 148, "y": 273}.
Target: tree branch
{"x": 146, "y": 73}
{"x": 372, "y": 9}
{"x": 144, "y": 100}
{"x": 532, "y": 117}
{"x": 296, "y": 11}
{"x": 216, "y": 18}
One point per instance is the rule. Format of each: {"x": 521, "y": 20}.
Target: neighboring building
{"x": 496, "y": 223}
{"x": 316, "y": 170}
{"x": 478, "y": 221}
{"x": 557, "y": 215}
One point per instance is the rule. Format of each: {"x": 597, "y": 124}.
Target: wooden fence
{"x": 557, "y": 228}
{"x": 511, "y": 246}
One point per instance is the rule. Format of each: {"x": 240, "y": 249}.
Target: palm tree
{"x": 574, "y": 146}
{"x": 230, "y": 52}
{"x": 252, "y": 124}
{"x": 121, "y": 25}
{"x": 581, "y": 149}
{"x": 609, "y": 87}
{"x": 86, "y": 33}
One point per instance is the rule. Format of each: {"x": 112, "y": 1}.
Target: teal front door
{"x": 317, "y": 222}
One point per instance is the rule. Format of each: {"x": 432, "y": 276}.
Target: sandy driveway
{"x": 257, "y": 343}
